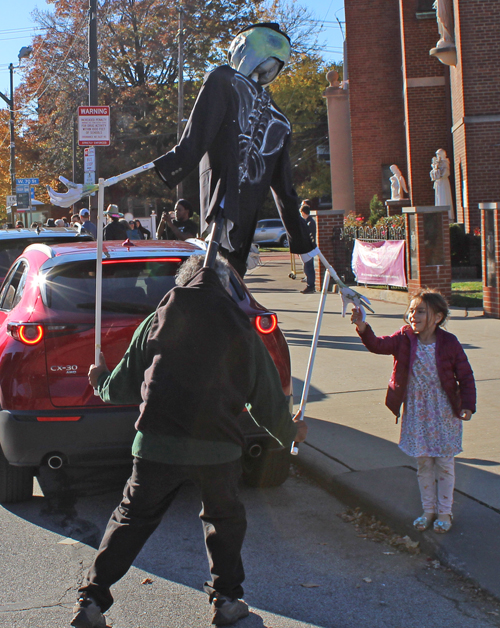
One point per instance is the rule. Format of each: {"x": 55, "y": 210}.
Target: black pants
{"x": 146, "y": 497}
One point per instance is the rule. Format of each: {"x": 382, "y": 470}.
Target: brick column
{"x": 428, "y": 248}
{"x": 328, "y": 225}
{"x": 490, "y": 253}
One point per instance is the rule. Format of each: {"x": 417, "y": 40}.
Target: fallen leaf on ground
{"x": 147, "y": 581}
{"x": 367, "y": 579}
{"x": 309, "y": 585}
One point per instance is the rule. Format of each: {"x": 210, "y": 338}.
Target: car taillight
{"x": 266, "y": 324}
{"x": 27, "y": 333}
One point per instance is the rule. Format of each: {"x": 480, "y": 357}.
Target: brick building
{"x": 404, "y": 104}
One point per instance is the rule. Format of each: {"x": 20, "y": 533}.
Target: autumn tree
{"x": 138, "y": 76}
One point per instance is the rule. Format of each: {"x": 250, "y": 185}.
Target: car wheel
{"x": 284, "y": 241}
{"x": 16, "y": 483}
{"x": 271, "y": 468}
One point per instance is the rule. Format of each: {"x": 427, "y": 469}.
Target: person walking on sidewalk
{"x": 305, "y": 212}
{"x": 432, "y": 377}
{"x": 193, "y": 365}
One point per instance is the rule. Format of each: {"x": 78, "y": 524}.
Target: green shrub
{"x": 377, "y": 211}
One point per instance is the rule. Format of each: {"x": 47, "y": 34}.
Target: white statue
{"x": 445, "y": 49}
{"x": 398, "y": 184}
{"x": 440, "y": 174}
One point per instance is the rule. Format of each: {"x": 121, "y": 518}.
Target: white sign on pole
{"x": 93, "y": 126}
{"x": 89, "y": 164}
{"x": 11, "y": 200}
{"x": 89, "y": 177}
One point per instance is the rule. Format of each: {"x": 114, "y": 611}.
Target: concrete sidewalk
{"x": 351, "y": 447}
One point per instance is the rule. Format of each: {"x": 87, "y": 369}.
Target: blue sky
{"x": 17, "y": 27}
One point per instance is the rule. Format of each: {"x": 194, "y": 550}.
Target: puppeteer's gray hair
{"x": 192, "y": 265}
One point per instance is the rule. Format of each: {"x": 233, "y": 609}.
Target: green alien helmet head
{"x": 260, "y": 51}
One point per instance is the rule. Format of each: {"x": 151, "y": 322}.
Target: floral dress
{"x": 429, "y": 426}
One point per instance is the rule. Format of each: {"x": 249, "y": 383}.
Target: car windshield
{"x": 130, "y": 287}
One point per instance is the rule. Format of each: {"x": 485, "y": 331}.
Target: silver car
{"x": 270, "y": 231}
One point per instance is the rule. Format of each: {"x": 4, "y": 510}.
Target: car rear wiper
{"x": 118, "y": 306}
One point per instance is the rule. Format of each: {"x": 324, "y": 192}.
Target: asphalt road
{"x": 305, "y": 567}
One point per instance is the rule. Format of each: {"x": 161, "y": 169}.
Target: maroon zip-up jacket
{"x": 454, "y": 370}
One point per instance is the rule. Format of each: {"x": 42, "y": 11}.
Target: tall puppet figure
{"x": 240, "y": 139}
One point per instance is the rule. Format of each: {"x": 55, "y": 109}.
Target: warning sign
{"x": 93, "y": 126}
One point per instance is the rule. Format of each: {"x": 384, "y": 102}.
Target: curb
{"x": 391, "y": 493}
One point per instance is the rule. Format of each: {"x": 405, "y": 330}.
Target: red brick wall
{"x": 328, "y": 222}
{"x": 427, "y": 124}
{"x": 437, "y": 277}
{"x": 476, "y": 92}
{"x": 375, "y": 94}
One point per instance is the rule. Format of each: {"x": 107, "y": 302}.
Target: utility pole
{"x": 23, "y": 53}
{"x": 93, "y": 96}
{"x": 180, "y": 85}
{"x": 10, "y": 104}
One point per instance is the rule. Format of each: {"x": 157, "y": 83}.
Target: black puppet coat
{"x": 240, "y": 139}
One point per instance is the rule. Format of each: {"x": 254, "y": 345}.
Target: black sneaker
{"x": 227, "y": 612}
{"x": 308, "y": 290}
{"x": 87, "y": 613}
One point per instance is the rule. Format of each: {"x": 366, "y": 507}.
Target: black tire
{"x": 16, "y": 483}
{"x": 271, "y": 468}
{"x": 284, "y": 241}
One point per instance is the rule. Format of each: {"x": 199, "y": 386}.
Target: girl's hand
{"x": 357, "y": 319}
{"x": 465, "y": 415}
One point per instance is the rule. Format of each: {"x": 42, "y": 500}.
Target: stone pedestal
{"x": 490, "y": 245}
{"x": 428, "y": 248}
{"x": 396, "y": 207}
{"x": 329, "y": 222}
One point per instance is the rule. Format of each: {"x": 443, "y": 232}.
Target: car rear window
{"x": 133, "y": 287}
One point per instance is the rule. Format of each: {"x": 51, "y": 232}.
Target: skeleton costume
{"x": 240, "y": 139}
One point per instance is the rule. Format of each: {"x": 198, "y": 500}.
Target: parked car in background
{"x": 14, "y": 241}
{"x": 270, "y": 231}
{"x": 49, "y": 413}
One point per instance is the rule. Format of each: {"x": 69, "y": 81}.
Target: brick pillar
{"x": 328, "y": 225}
{"x": 490, "y": 253}
{"x": 428, "y": 248}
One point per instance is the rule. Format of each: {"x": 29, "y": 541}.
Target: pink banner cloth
{"x": 381, "y": 262}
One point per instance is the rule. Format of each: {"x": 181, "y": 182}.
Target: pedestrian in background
{"x": 145, "y": 233}
{"x": 132, "y": 232}
{"x": 87, "y": 224}
{"x": 305, "y": 212}
{"x": 433, "y": 378}
{"x": 181, "y": 227}
{"x": 76, "y": 222}
{"x": 114, "y": 230}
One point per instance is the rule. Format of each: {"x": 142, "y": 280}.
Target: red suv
{"x": 49, "y": 414}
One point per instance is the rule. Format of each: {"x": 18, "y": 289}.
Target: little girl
{"x": 433, "y": 379}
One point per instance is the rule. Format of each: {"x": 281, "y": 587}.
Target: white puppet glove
{"x": 305, "y": 257}
{"x": 350, "y": 296}
{"x": 76, "y": 191}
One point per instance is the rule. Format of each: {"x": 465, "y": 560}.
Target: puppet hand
{"x": 76, "y": 191}
{"x": 305, "y": 257}
{"x": 350, "y": 296}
